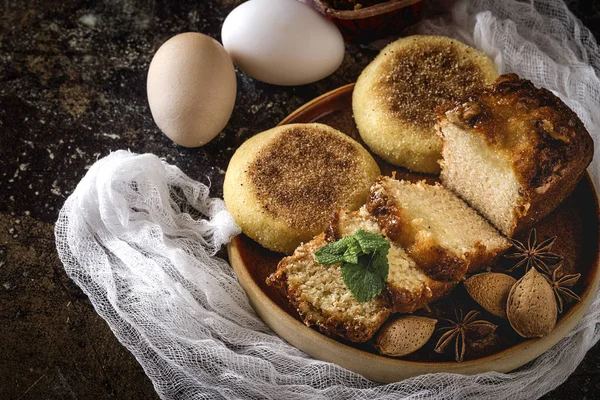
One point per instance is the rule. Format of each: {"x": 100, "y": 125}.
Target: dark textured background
{"x": 72, "y": 88}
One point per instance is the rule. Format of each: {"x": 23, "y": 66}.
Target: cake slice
{"x": 408, "y": 286}
{"x": 513, "y": 152}
{"x": 320, "y": 296}
{"x": 445, "y": 237}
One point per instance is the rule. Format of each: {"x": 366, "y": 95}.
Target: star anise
{"x": 561, "y": 284}
{"x": 534, "y": 254}
{"x": 457, "y": 332}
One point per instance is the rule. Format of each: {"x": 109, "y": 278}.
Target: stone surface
{"x": 72, "y": 89}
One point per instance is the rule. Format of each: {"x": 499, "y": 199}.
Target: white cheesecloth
{"x": 140, "y": 237}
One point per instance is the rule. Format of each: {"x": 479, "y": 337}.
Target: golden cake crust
{"x": 544, "y": 140}
{"x": 436, "y": 261}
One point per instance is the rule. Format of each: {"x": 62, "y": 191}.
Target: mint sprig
{"x": 364, "y": 262}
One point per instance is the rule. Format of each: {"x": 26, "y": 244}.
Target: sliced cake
{"x": 513, "y": 152}
{"x": 322, "y": 298}
{"x": 445, "y": 237}
{"x": 409, "y": 287}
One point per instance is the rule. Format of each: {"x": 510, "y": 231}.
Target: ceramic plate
{"x": 575, "y": 223}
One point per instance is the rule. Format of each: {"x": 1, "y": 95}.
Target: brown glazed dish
{"x": 575, "y": 223}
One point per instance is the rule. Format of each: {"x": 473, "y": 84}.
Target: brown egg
{"x": 191, "y": 88}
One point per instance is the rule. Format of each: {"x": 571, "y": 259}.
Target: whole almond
{"x": 404, "y": 335}
{"x": 490, "y": 290}
{"x": 531, "y": 308}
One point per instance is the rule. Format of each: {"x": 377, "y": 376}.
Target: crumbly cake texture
{"x": 514, "y": 152}
{"x": 320, "y": 296}
{"x": 396, "y": 96}
{"x": 445, "y": 237}
{"x": 408, "y": 285}
{"x": 283, "y": 185}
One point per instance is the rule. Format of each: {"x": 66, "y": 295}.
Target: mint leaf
{"x": 364, "y": 262}
{"x": 363, "y": 283}
{"x": 369, "y": 242}
{"x": 352, "y": 251}
{"x": 379, "y": 263}
{"x": 335, "y": 252}
{"x": 327, "y": 255}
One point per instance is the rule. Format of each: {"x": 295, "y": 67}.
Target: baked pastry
{"x": 396, "y": 95}
{"x": 320, "y": 296}
{"x": 409, "y": 287}
{"x": 282, "y": 185}
{"x": 513, "y": 152}
{"x": 445, "y": 237}
{"x": 322, "y": 299}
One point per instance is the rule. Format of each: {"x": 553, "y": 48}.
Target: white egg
{"x": 191, "y": 88}
{"x": 283, "y": 42}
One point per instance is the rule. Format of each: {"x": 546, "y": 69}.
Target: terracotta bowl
{"x": 575, "y": 223}
{"x": 374, "y": 22}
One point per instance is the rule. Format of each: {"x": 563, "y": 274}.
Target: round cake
{"x": 283, "y": 185}
{"x": 396, "y": 96}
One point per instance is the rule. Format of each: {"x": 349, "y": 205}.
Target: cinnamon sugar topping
{"x": 420, "y": 79}
{"x": 304, "y": 174}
